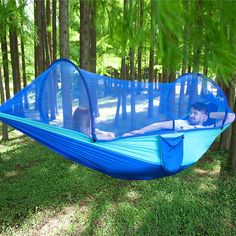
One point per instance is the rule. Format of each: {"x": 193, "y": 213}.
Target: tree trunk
{"x": 85, "y": 35}
{"x": 151, "y": 62}
{"x": 140, "y": 43}
{"x": 45, "y": 37}
{"x": 184, "y": 59}
{"x": 93, "y": 36}
{"x": 14, "y": 54}
{"x": 64, "y": 53}
{"x": 54, "y": 29}
{"x": 23, "y": 61}
{"x": 132, "y": 69}
{"x": 205, "y": 65}
{"x": 197, "y": 47}
{"x": 224, "y": 143}
{"x": 40, "y": 59}
{"x": 36, "y": 46}
{"x": 63, "y": 29}
{"x": 5, "y": 64}
{"x": 15, "y": 60}
{"x": 232, "y": 152}
{"x": 131, "y": 60}
{"x": 48, "y": 23}
{"x": 4, "y": 126}
{"x": 123, "y": 77}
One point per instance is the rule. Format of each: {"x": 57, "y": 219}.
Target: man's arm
{"x": 153, "y": 127}
{"x": 220, "y": 116}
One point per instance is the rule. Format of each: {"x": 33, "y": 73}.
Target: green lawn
{"x": 41, "y": 193}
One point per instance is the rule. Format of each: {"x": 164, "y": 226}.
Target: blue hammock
{"x": 82, "y": 116}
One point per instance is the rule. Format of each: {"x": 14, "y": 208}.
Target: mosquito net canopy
{"x": 71, "y": 98}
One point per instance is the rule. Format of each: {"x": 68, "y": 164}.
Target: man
{"x": 198, "y": 115}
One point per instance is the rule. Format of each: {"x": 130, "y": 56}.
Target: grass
{"x": 41, "y": 193}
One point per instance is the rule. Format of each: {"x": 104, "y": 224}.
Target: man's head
{"x": 198, "y": 114}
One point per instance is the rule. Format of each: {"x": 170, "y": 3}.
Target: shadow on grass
{"x": 35, "y": 179}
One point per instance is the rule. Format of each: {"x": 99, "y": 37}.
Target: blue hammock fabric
{"x": 72, "y": 112}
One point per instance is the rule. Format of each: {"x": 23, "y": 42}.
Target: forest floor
{"x": 42, "y": 193}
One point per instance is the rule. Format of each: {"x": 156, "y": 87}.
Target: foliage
{"x": 200, "y": 33}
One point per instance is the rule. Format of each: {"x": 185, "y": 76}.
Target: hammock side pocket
{"x": 171, "y": 149}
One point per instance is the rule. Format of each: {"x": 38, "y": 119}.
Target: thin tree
{"x": 124, "y": 73}
{"x": 54, "y": 29}
{"x": 140, "y": 40}
{"x": 93, "y": 36}
{"x": 64, "y": 53}
{"x": 224, "y": 142}
{"x": 85, "y": 39}
{"x": 39, "y": 5}
{"x": 232, "y": 152}
{"x": 15, "y": 59}
{"x": 5, "y": 62}
{"x": 48, "y": 25}
{"x": 151, "y": 60}
{"x": 45, "y": 21}
{"x": 4, "y": 126}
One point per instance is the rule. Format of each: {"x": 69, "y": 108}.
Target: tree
{"x": 232, "y": 152}
{"x": 85, "y": 34}
{"x": 93, "y": 37}
{"x": 4, "y": 126}
{"x": 140, "y": 41}
{"x": 5, "y": 62}
{"x": 64, "y": 53}
{"x": 39, "y": 51}
{"x": 14, "y": 49}
{"x": 54, "y": 29}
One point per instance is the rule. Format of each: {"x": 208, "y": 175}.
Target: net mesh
{"x": 100, "y": 106}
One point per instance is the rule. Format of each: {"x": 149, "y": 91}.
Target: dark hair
{"x": 199, "y": 106}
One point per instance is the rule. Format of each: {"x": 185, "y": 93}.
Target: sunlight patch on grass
{"x": 206, "y": 187}
{"x": 133, "y": 195}
{"x": 214, "y": 172}
{"x": 12, "y": 174}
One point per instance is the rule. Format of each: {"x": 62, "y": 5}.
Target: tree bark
{"x": 48, "y": 23}
{"x": 140, "y": 43}
{"x": 36, "y": 47}
{"x": 54, "y": 29}
{"x": 224, "y": 143}
{"x": 14, "y": 54}
{"x": 40, "y": 59}
{"x": 23, "y": 61}
{"x": 232, "y": 152}
{"x": 15, "y": 60}
{"x": 151, "y": 61}
{"x": 132, "y": 70}
{"x": 5, "y": 64}
{"x": 85, "y": 35}
{"x": 4, "y": 126}
{"x": 93, "y": 36}
{"x": 123, "y": 77}
{"x": 45, "y": 36}
{"x": 184, "y": 59}
{"x": 64, "y": 53}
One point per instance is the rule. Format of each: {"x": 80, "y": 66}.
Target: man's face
{"x": 196, "y": 117}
